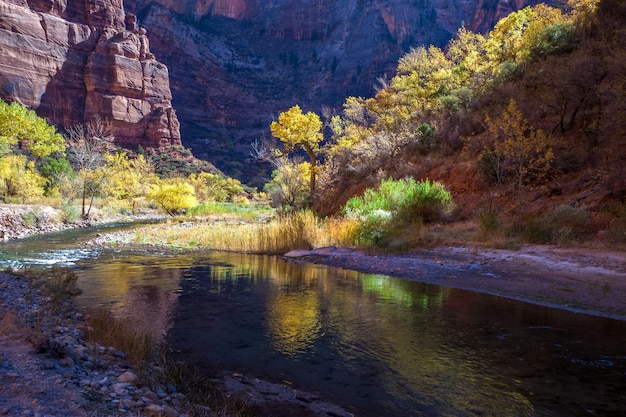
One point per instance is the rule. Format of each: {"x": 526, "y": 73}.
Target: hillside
{"x": 558, "y": 88}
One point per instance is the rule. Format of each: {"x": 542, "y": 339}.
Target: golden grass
{"x": 300, "y": 230}
{"x": 8, "y": 323}
{"x": 139, "y": 345}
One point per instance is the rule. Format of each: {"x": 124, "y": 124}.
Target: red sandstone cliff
{"x": 72, "y": 59}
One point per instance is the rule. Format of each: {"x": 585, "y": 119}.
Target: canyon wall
{"x": 235, "y": 64}
{"x": 72, "y": 59}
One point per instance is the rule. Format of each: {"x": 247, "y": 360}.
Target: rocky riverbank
{"x": 18, "y": 221}
{"x": 49, "y": 368}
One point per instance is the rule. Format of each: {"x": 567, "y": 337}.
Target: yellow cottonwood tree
{"x": 300, "y": 131}
{"x": 127, "y": 180}
{"x": 174, "y": 196}
{"x": 22, "y": 127}
{"x": 20, "y": 179}
{"x": 519, "y": 148}
{"x": 214, "y": 187}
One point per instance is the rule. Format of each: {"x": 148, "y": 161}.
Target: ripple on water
{"x": 70, "y": 257}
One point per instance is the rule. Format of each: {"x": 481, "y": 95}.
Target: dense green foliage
{"x": 406, "y": 200}
{"x": 397, "y": 203}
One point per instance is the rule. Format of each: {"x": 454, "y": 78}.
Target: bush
{"x": 488, "y": 221}
{"x": 30, "y": 219}
{"x": 562, "y": 226}
{"x": 407, "y": 201}
{"x": 71, "y": 211}
{"x": 568, "y": 223}
{"x": 173, "y": 197}
{"x": 396, "y": 203}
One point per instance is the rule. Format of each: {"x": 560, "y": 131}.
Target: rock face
{"x": 73, "y": 59}
{"x": 235, "y": 64}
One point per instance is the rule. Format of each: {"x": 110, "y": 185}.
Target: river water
{"x": 376, "y": 345}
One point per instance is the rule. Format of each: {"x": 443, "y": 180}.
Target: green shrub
{"x": 373, "y": 228}
{"x": 568, "y": 223}
{"x": 382, "y": 212}
{"x": 30, "y": 219}
{"x": 71, "y": 211}
{"x": 488, "y": 221}
{"x": 407, "y": 200}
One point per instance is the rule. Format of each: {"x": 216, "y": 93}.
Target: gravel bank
{"x": 48, "y": 368}
{"x": 583, "y": 280}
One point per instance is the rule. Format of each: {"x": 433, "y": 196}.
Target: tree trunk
{"x": 313, "y": 159}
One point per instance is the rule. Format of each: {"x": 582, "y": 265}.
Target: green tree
{"x": 300, "y": 131}
{"x": 288, "y": 187}
{"x": 57, "y": 172}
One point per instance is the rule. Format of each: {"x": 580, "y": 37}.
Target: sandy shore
{"x": 581, "y": 280}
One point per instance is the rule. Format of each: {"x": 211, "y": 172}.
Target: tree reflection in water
{"x": 378, "y": 345}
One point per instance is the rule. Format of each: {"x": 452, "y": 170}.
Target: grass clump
{"x": 30, "y": 219}
{"x": 298, "y": 230}
{"x": 71, "y": 211}
{"x": 139, "y": 346}
{"x": 384, "y": 213}
{"x": 244, "y": 211}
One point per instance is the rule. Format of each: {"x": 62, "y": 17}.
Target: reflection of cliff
{"x": 140, "y": 289}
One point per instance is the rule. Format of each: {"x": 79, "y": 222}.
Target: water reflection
{"x": 293, "y": 320}
{"x": 140, "y": 289}
{"x": 377, "y": 345}
{"x": 391, "y": 347}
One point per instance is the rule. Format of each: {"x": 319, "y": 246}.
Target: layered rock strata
{"x": 71, "y": 60}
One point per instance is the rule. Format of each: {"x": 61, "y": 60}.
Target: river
{"x": 376, "y": 345}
